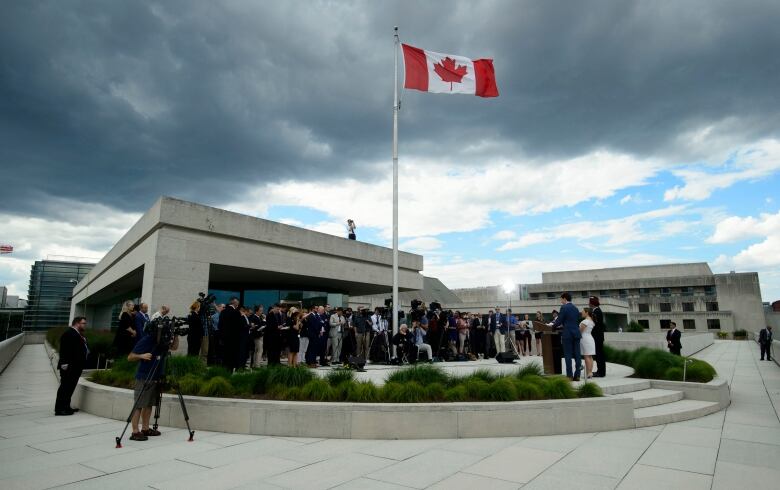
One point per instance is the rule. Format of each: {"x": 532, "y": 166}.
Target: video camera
{"x": 166, "y": 328}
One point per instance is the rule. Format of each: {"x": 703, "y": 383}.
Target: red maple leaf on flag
{"x": 448, "y": 72}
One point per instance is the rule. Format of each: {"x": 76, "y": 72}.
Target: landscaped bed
{"x": 658, "y": 364}
{"x": 414, "y": 384}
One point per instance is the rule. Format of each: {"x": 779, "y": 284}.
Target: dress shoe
{"x": 74, "y": 410}
{"x": 576, "y": 378}
{"x": 63, "y": 412}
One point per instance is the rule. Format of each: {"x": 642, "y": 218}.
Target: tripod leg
{"x": 157, "y": 405}
{"x": 186, "y": 415}
{"x": 135, "y": 404}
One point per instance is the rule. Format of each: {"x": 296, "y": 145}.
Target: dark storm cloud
{"x": 119, "y": 102}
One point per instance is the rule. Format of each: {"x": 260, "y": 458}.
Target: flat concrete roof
{"x": 629, "y": 273}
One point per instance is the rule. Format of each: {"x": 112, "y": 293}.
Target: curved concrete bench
{"x": 372, "y": 420}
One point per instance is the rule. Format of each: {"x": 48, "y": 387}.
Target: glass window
{"x": 666, "y": 292}
{"x": 645, "y": 324}
{"x": 605, "y": 293}
{"x": 550, "y": 295}
{"x": 223, "y": 296}
{"x": 687, "y": 306}
{"x": 257, "y": 297}
{"x": 689, "y": 324}
{"x": 665, "y": 307}
{"x": 644, "y": 308}
{"x": 710, "y": 290}
{"x": 712, "y": 306}
{"x": 584, "y": 294}
{"x": 643, "y": 292}
{"x": 665, "y": 323}
{"x": 713, "y": 323}
{"x": 623, "y": 293}
{"x": 687, "y": 291}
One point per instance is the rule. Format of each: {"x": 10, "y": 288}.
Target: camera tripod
{"x": 159, "y": 359}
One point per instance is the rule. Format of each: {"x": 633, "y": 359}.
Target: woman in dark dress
{"x": 293, "y": 336}
{"x": 195, "y": 334}
{"x": 125, "y": 336}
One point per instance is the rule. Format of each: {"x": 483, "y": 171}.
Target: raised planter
{"x": 372, "y": 420}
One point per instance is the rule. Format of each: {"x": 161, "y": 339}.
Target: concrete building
{"x": 688, "y": 294}
{"x": 50, "y": 290}
{"x": 179, "y": 248}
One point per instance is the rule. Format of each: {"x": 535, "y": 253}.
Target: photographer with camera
{"x": 403, "y": 344}
{"x": 150, "y": 352}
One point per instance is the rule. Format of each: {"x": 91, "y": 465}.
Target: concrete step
{"x": 653, "y": 397}
{"x": 619, "y": 386}
{"x": 673, "y": 412}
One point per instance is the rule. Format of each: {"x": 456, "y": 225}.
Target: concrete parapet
{"x": 373, "y": 420}
{"x": 9, "y": 348}
{"x": 691, "y": 342}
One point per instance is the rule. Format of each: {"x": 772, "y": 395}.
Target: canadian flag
{"x": 448, "y": 74}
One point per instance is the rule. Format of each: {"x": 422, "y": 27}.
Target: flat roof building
{"x": 178, "y": 249}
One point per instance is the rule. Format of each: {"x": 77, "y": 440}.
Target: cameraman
{"x": 151, "y": 367}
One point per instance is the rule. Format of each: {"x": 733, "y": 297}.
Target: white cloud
{"x": 626, "y": 199}
{"x": 421, "y": 244}
{"x": 610, "y": 233}
{"x": 735, "y": 228}
{"x": 84, "y": 231}
{"x": 748, "y": 163}
{"x": 504, "y": 235}
{"x": 461, "y": 201}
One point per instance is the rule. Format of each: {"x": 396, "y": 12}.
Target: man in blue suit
{"x": 569, "y": 320}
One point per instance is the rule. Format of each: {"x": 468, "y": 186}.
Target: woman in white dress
{"x": 587, "y": 343}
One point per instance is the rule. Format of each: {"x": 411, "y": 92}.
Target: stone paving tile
{"x": 248, "y": 471}
{"x": 751, "y": 433}
{"x": 138, "y": 477}
{"x": 333, "y": 472}
{"x": 321, "y": 450}
{"x": 603, "y": 458}
{"x": 237, "y": 452}
{"x": 560, "y": 477}
{"x": 749, "y": 453}
{"x": 480, "y": 446}
{"x": 561, "y": 443}
{"x": 120, "y": 460}
{"x": 517, "y": 464}
{"x": 426, "y": 468}
{"x": 365, "y": 484}
{"x": 51, "y": 477}
{"x": 400, "y": 450}
{"x": 690, "y": 436}
{"x": 643, "y": 477}
{"x": 467, "y": 481}
{"x": 730, "y": 476}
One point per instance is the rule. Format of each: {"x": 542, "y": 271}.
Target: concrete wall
{"x": 691, "y": 343}
{"x": 8, "y": 350}
{"x": 374, "y": 420}
{"x": 772, "y": 318}
{"x": 629, "y": 273}
{"x": 740, "y": 293}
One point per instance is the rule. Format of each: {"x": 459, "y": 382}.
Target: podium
{"x": 552, "y": 351}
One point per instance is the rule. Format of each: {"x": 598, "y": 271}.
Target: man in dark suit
{"x": 599, "y": 328}
{"x": 765, "y": 342}
{"x": 230, "y": 324}
{"x": 673, "y": 339}
{"x": 273, "y": 336}
{"x": 73, "y": 357}
{"x": 569, "y": 320}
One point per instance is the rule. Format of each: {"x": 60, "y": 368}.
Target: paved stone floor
{"x": 735, "y": 448}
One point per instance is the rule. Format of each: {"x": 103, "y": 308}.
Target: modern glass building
{"x": 50, "y": 292}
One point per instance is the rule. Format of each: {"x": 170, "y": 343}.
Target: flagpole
{"x": 395, "y": 184}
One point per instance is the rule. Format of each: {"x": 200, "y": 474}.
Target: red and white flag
{"x": 448, "y": 74}
{"x": 6, "y": 249}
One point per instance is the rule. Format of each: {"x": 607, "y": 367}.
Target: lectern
{"x": 552, "y": 351}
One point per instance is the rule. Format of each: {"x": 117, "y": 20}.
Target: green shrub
{"x": 485, "y": 375}
{"x": 740, "y": 332}
{"x": 502, "y": 389}
{"x": 244, "y": 383}
{"x": 412, "y": 392}
{"x": 293, "y": 393}
{"x": 699, "y": 371}
{"x": 424, "y": 374}
{"x": 214, "y": 371}
{"x": 653, "y": 363}
{"x": 530, "y": 370}
{"x": 101, "y": 344}
{"x": 589, "y": 390}
{"x": 456, "y": 394}
{"x": 318, "y": 390}
{"x": 528, "y": 390}
{"x": 390, "y": 392}
{"x": 217, "y": 387}
{"x": 617, "y": 356}
{"x": 435, "y": 392}
{"x": 476, "y": 388}
{"x": 100, "y": 376}
{"x": 340, "y": 375}
{"x": 190, "y": 385}
{"x": 558, "y": 387}
{"x": 723, "y": 335}
{"x": 674, "y": 374}
{"x": 279, "y": 392}
{"x": 362, "y": 392}
{"x": 53, "y": 336}
{"x": 634, "y": 327}
{"x": 180, "y": 366}
{"x": 124, "y": 366}
{"x": 289, "y": 376}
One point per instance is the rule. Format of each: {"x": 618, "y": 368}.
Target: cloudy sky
{"x": 625, "y": 133}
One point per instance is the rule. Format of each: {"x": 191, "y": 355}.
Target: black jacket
{"x": 598, "y": 324}
{"x": 230, "y": 323}
{"x": 73, "y": 350}
{"x": 765, "y": 336}
{"x": 673, "y": 339}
